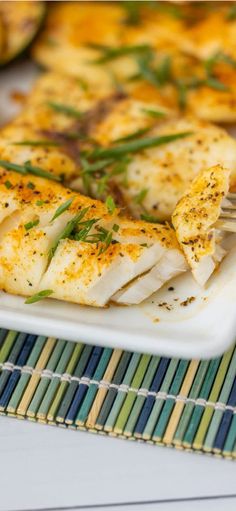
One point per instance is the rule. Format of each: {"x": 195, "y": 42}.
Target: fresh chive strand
{"x": 39, "y": 296}
{"x": 62, "y": 208}
{"x": 139, "y": 198}
{"x": 36, "y": 143}
{"x": 8, "y": 185}
{"x": 37, "y": 171}
{"x": 27, "y": 168}
{"x": 70, "y": 226}
{"x": 150, "y": 218}
{"x": 110, "y": 204}
{"x": 153, "y": 113}
{"x": 216, "y": 84}
{"x": 30, "y": 225}
{"x": 109, "y": 53}
{"x": 65, "y": 109}
{"x": 89, "y": 168}
{"x": 13, "y": 166}
{"x": 133, "y": 135}
{"x": 137, "y": 145}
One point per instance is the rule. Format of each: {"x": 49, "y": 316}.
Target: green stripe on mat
{"x": 175, "y": 402}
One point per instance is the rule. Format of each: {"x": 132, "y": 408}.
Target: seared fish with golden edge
{"x": 70, "y": 30}
{"x": 21, "y": 23}
{"x": 47, "y": 131}
{"x": 216, "y": 32}
{"x": 59, "y": 243}
{"x": 155, "y": 179}
{"x": 194, "y": 220}
{"x": 209, "y": 92}
{"x": 97, "y": 40}
{"x": 151, "y": 45}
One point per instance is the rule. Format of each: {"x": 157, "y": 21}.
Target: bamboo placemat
{"x": 180, "y": 403}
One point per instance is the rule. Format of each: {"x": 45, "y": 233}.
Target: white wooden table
{"x": 43, "y": 467}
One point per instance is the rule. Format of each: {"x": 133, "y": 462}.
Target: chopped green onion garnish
{"x": 31, "y": 186}
{"x": 111, "y": 53}
{"x": 27, "y": 168}
{"x": 115, "y": 227}
{"x": 39, "y": 296}
{"x": 13, "y": 166}
{"x": 110, "y": 204}
{"x": 8, "y": 184}
{"x": 62, "y": 208}
{"x": 65, "y": 109}
{"x": 150, "y": 218}
{"x": 29, "y": 225}
{"x": 139, "y": 198}
{"x": 153, "y": 113}
{"x": 137, "y": 145}
{"x": 37, "y": 171}
{"x": 133, "y": 135}
{"x": 213, "y": 83}
{"x": 37, "y": 143}
{"x": 70, "y": 226}
{"x": 89, "y": 168}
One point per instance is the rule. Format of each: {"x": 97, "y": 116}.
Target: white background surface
{"x": 47, "y": 467}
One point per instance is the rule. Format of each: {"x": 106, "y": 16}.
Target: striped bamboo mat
{"x": 186, "y": 404}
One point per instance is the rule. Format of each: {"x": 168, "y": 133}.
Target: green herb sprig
{"x": 70, "y": 226}
{"x": 109, "y": 53}
{"x": 39, "y": 296}
{"x": 27, "y": 168}
{"x": 62, "y": 208}
{"x": 47, "y": 143}
{"x": 136, "y": 145}
{"x": 65, "y": 109}
{"x": 150, "y": 218}
{"x": 110, "y": 204}
{"x": 31, "y": 224}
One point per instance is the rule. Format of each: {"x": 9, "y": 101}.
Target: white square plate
{"x": 181, "y": 322}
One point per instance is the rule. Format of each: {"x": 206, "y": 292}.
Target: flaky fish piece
{"x": 71, "y": 29}
{"x": 209, "y": 92}
{"x": 156, "y": 178}
{"x": 157, "y": 48}
{"x": 60, "y": 114}
{"x": 215, "y": 32}
{"x": 97, "y": 40}
{"x": 47, "y": 131}
{"x": 194, "y": 220}
{"x": 55, "y": 242}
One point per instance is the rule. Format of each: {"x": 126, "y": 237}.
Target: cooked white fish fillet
{"x": 65, "y": 44}
{"x": 195, "y": 218}
{"x": 211, "y": 98}
{"x": 162, "y": 174}
{"x": 110, "y": 52}
{"x": 216, "y": 32}
{"x": 127, "y": 117}
{"x": 86, "y": 260}
{"x": 170, "y": 265}
{"x": 49, "y": 115}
